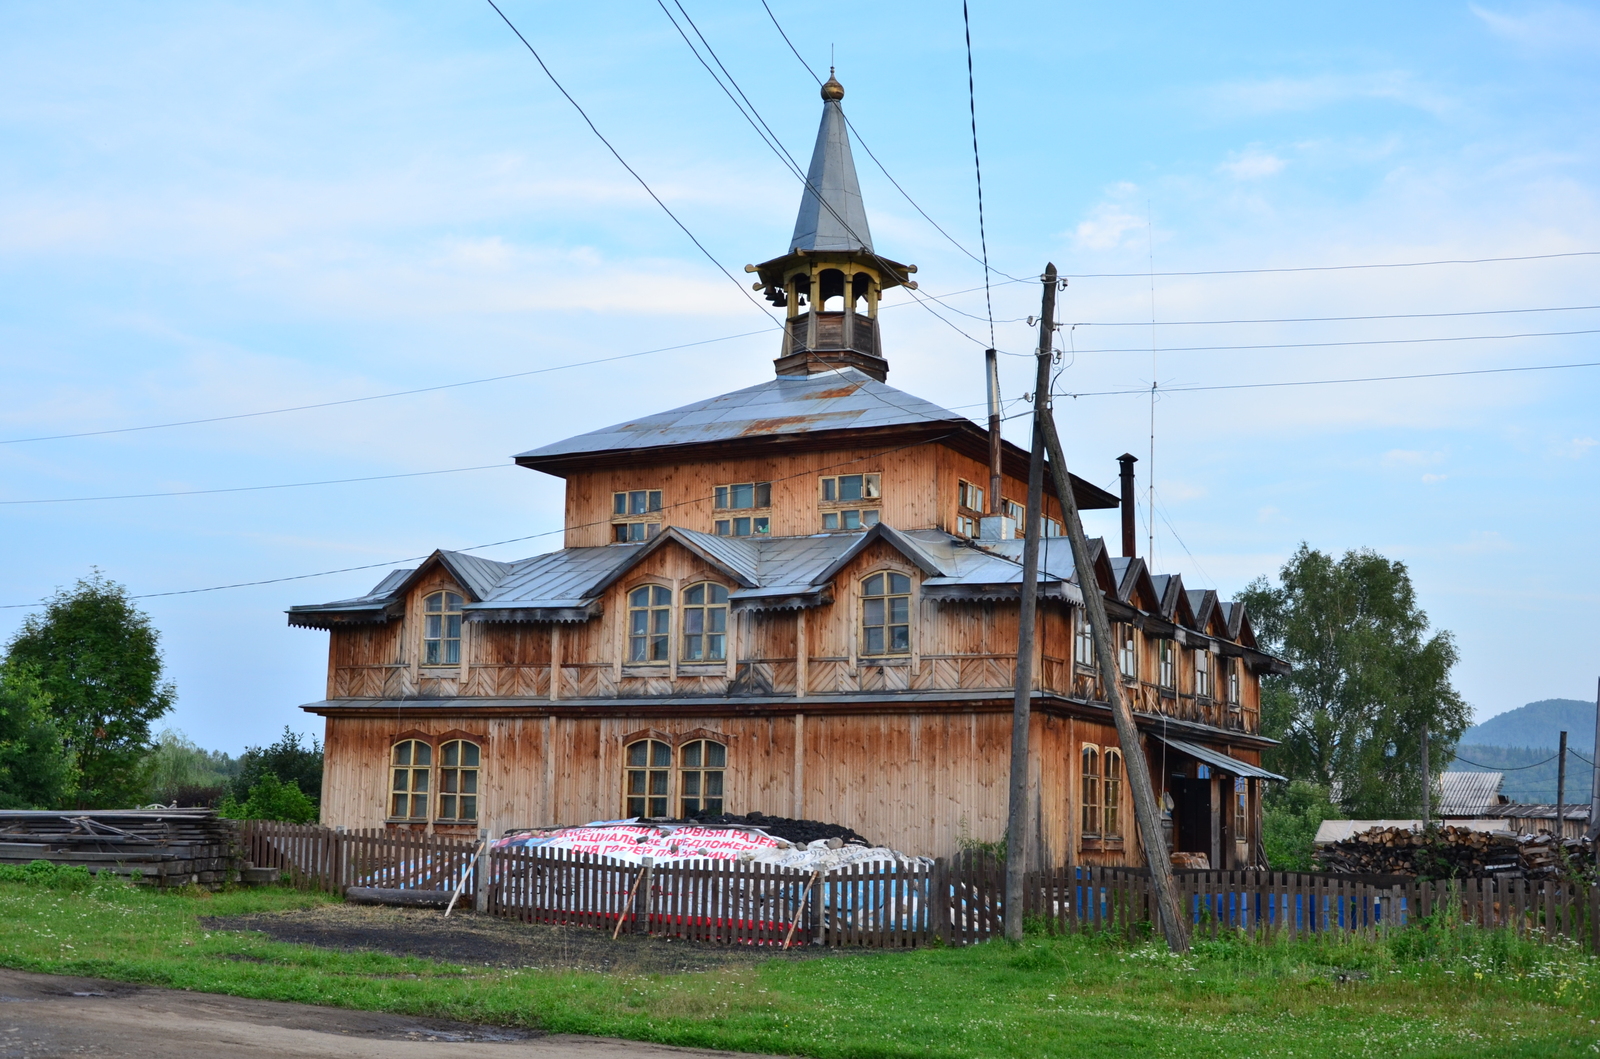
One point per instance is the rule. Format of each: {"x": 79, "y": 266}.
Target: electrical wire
{"x": 376, "y": 396}
{"x": 1507, "y": 768}
{"x": 256, "y": 488}
{"x": 1330, "y": 268}
{"x": 977, "y": 167}
{"x": 1351, "y": 342}
{"x": 1315, "y": 319}
{"x": 624, "y": 163}
{"x": 491, "y": 544}
{"x": 1580, "y": 757}
{"x": 1333, "y": 382}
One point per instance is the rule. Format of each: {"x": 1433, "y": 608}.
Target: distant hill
{"x": 1538, "y": 725}
{"x": 1530, "y": 774}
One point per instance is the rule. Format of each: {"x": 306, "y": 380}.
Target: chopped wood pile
{"x": 163, "y": 847}
{"x": 1450, "y": 853}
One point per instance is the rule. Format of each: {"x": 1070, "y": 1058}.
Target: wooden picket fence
{"x": 959, "y": 901}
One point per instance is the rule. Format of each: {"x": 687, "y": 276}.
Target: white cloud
{"x": 1577, "y": 447}
{"x": 1545, "y": 27}
{"x": 1253, "y": 165}
{"x": 1105, "y": 227}
{"x": 1429, "y": 479}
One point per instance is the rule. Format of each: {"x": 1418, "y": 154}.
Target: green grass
{"x": 1444, "y": 991}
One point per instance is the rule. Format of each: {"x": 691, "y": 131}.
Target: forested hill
{"x": 1538, "y": 724}
{"x": 1530, "y": 774}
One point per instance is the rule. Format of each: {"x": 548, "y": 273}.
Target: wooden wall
{"x": 919, "y": 490}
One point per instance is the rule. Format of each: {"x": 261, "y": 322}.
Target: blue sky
{"x": 211, "y": 209}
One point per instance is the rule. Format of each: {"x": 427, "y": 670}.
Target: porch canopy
{"x": 1220, "y": 761}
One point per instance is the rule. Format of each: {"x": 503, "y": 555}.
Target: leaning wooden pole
{"x": 1172, "y": 922}
{"x": 1017, "y": 822}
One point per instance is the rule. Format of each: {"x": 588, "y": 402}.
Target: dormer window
{"x": 635, "y": 515}
{"x": 441, "y": 633}
{"x": 886, "y": 614}
{"x": 850, "y": 501}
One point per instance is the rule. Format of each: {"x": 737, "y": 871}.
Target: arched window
{"x": 458, "y": 780}
{"x": 649, "y": 623}
{"x": 700, "y": 765}
{"x": 886, "y": 614}
{"x": 1111, "y": 787}
{"x": 408, "y": 787}
{"x": 705, "y": 623}
{"x": 441, "y": 634}
{"x": 1091, "y": 791}
{"x": 647, "y": 777}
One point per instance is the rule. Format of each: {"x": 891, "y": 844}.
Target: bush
{"x": 271, "y": 799}
{"x": 1289, "y": 824}
{"x": 45, "y": 873}
{"x": 287, "y": 760}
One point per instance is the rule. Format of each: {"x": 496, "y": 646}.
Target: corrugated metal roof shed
{"x": 1468, "y": 793}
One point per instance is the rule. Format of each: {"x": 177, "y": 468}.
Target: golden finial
{"x": 831, "y": 88}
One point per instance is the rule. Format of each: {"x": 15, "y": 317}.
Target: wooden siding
{"x": 919, "y": 486}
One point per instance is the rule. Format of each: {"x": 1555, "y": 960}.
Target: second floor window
{"x": 705, "y": 623}
{"x": 1167, "y": 656}
{"x": 441, "y": 633}
{"x": 1017, "y": 513}
{"x": 744, "y": 526}
{"x": 1230, "y": 676}
{"x": 1128, "y": 652}
{"x": 649, "y": 623}
{"x": 847, "y": 488}
{"x": 743, "y": 495}
{"x": 1083, "y": 642}
{"x": 886, "y": 614}
{"x": 969, "y": 496}
{"x": 850, "y": 519}
{"x": 636, "y": 502}
{"x": 1202, "y": 672}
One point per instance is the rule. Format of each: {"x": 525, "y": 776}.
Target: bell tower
{"x": 831, "y": 279}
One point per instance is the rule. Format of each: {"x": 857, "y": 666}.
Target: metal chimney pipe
{"x": 1130, "y": 533}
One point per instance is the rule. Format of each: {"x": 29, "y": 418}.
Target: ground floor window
{"x": 700, "y": 771}
{"x": 412, "y": 762}
{"x": 458, "y": 780}
{"x": 1101, "y": 810}
{"x": 648, "y": 778}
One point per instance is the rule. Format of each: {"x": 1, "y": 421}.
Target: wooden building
{"x": 792, "y": 598}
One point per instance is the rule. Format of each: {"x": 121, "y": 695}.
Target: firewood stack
{"x": 162, "y": 847}
{"x": 1449, "y": 852}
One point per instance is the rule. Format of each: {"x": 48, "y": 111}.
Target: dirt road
{"x": 44, "y": 1016}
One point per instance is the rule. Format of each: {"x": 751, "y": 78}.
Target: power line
{"x": 634, "y": 173}
{"x": 972, "y": 108}
{"x": 376, "y": 396}
{"x": 1326, "y": 268}
{"x": 1507, "y": 768}
{"x": 1315, "y": 319}
{"x": 491, "y": 544}
{"x": 1352, "y": 342}
{"x": 1333, "y": 382}
{"x": 255, "y": 488}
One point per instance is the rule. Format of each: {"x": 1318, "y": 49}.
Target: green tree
{"x": 99, "y": 660}
{"x": 271, "y": 799}
{"x": 182, "y": 772}
{"x": 1368, "y": 678}
{"x": 1289, "y": 824}
{"x": 287, "y": 760}
{"x": 36, "y": 770}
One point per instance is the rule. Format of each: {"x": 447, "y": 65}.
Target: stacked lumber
{"x": 1448, "y": 852}
{"x": 163, "y": 847}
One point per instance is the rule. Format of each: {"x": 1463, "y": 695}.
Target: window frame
{"x": 1128, "y": 652}
{"x": 888, "y": 624}
{"x": 1204, "y": 675}
{"x": 702, "y": 772}
{"x": 650, "y": 767}
{"x": 851, "y": 520}
{"x": 410, "y": 792}
{"x": 459, "y": 772}
{"x": 705, "y": 608}
{"x": 636, "y": 515}
{"x": 1083, "y": 641}
{"x": 652, "y": 608}
{"x": 439, "y": 658}
{"x": 1089, "y": 790}
{"x": 1231, "y": 690}
{"x": 723, "y": 496}
{"x": 743, "y": 526}
{"x": 1167, "y": 664}
{"x": 1111, "y": 783}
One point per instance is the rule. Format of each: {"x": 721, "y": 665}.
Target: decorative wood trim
{"x": 555, "y": 663}
{"x": 799, "y": 766}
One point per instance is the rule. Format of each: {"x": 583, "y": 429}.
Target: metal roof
{"x": 1468, "y": 793}
{"x": 1217, "y": 759}
{"x": 838, "y": 219}
{"x": 788, "y": 405}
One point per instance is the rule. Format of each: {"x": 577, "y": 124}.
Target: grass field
{"x": 1446, "y": 991}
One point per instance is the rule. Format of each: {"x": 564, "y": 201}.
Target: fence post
{"x": 480, "y": 902}
{"x": 641, "y": 900}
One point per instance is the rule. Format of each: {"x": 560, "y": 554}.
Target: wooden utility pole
{"x": 1172, "y": 922}
{"x": 991, "y": 369}
{"x": 1561, "y": 791}
{"x": 1017, "y": 823}
{"x": 1427, "y": 782}
{"x": 1594, "y": 790}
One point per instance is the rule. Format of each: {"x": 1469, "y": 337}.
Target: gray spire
{"x": 841, "y": 224}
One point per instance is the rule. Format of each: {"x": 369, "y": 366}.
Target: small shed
{"x": 1532, "y": 819}
{"x": 1467, "y": 795}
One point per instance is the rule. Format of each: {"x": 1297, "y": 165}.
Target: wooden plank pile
{"x": 161, "y": 847}
{"x": 1448, "y": 853}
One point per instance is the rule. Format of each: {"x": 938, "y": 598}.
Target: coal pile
{"x": 800, "y": 832}
{"x": 1451, "y": 853}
